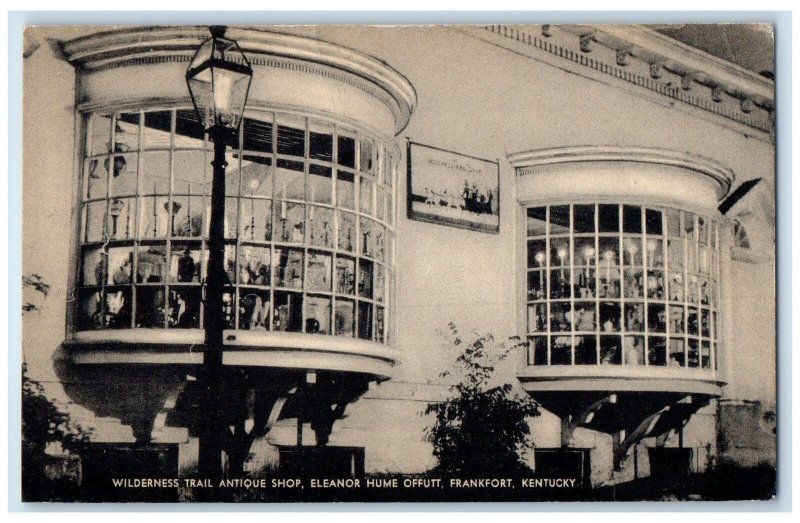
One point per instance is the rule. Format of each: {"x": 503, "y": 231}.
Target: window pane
{"x": 655, "y": 253}
{"x": 320, "y": 182}
{"x": 346, "y": 151}
{"x": 254, "y": 265}
{"x": 537, "y": 221}
{"x": 320, "y": 226}
{"x": 345, "y": 318}
{"x": 631, "y": 219}
{"x": 365, "y": 278}
{"x": 347, "y": 231}
{"x": 585, "y": 283}
{"x": 656, "y": 318}
{"x": 560, "y": 317}
{"x": 101, "y": 135}
{"x": 585, "y": 316}
{"x": 609, "y": 317}
{"x": 291, "y": 140}
{"x": 184, "y": 264}
{"x": 120, "y": 266}
{"x": 254, "y": 309}
{"x": 537, "y": 285}
{"x": 95, "y": 217}
{"x": 657, "y": 350}
{"x": 694, "y": 353}
{"x": 608, "y": 217}
{"x": 318, "y": 315}
{"x": 634, "y": 350}
{"x": 345, "y": 189}
{"x": 537, "y": 254}
{"x": 559, "y": 252}
{"x": 366, "y": 156}
{"x": 537, "y": 350}
{"x": 345, "y": 275}
{"x": 121, "y": 218}
{"x": 321, "y": 145}
{"x": 319, "y": 271}
{"x": 675, "y": 254}
{"x": 94, "y": 267}
{"x": 151, "y": 264}
{"x": 655, "y": 285}
{"x": 157, "y": 127}
{"x": 559, "y": 219}
{"x": 150, "y": 306}
{"x": 184, "y": 308}
{"x": 560, "y": 350}
{"x": 634, "y": 317}
{"x": 256, "y": 220}
{"x": 380, "y": 327}
{"x": 290, "y": 181}
{"x": 290, "y": 222}
{"x": 610, "y": 350}
{"x": 288, "y": 311}
{"x": 364, "y": 320}
{"x": 257, "y": 135}
{"x": 653, "y": 222}
{"x": 537, "y": 317}
{"x": 123, "y": 169}
{"x": 96, "y": 178}
{"x": 583, "y": 218}
{"x": 673, "y": 223}
{"x": 677, "y": 356}
{"x": 365, "y": 195}
{"x": 676, "y": 321}
{"x": 187, "y": 218}
{"x": 632, "y": 251}
{"x": 560, "y": 284}
{"x": 586, "y": 350}
{"x": 634, "y": 283}
{"x": 289, "y": 268}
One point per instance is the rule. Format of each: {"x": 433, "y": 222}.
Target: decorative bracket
{"x": 571, "y": 422}
{"x": 586, "y": 42}
{"x": 623, "y": 57}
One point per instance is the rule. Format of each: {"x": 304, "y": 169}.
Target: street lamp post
{"x": 219, "y": 78}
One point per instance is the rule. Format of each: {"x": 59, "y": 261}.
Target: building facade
{"x": 645, "y": 290}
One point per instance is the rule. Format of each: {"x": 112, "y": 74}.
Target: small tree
{"x": 483, "y": 428}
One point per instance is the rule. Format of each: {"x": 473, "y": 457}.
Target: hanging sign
{"x": 453, "y": 189}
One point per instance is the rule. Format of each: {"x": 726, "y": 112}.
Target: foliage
{"x": 484, "y": 427}
{"x": 36, "y": 283}
{"x": 43, "y": 423}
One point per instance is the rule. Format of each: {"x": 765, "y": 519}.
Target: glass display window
{"x": 300, "y": 194}
{"x": 644, "y": 273}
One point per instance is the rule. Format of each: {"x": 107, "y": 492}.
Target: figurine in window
{"x": 634, "y": 352}
{"x": 297, "y": 232}
{"x": 123, "y": 273}
{"x": 312, "y": 326}
{"x": 186, "y": 267}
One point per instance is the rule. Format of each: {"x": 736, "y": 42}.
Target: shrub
{"x": 483, "y": 428}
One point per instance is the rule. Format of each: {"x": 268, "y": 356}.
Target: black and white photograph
{"x": 399, "y": 263}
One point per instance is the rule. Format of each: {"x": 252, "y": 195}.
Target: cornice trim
{"x": 529, "y": 162}
{"x": 178, "y": 44}
{"x": 740, "y": 84}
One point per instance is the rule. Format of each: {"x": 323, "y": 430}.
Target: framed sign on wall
{"x": 453, "y": 189}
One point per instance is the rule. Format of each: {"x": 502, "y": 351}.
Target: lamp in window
{"x": 115, "y": 210}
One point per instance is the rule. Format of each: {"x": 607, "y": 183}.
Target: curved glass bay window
{"x": 309, "y": 225}
{"x": 611, "y": 284}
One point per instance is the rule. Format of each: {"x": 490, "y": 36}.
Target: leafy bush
{"x": 483, "y": 428}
